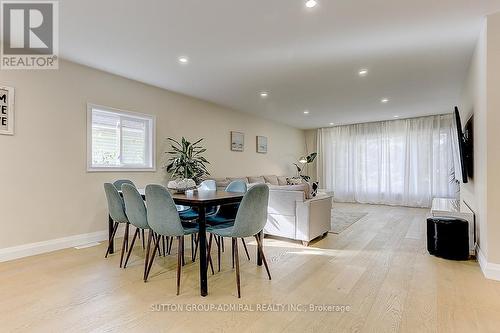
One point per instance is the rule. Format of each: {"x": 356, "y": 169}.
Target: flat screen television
{"x": 461, "y": 175}
{"x": 469, "y": 145}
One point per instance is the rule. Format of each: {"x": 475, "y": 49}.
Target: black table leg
{"x": 202, "y": 235}
{"x": 259, "y": 256}
{"x": 110, "y": 232}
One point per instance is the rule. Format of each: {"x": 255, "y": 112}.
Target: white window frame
{"x": 151, "y": 132}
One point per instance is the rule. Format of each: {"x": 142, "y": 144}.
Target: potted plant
{"x": 186, "y": 163}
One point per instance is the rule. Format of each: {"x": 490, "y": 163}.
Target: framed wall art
{"x": 237, "y": 141}
{"x": 262, "y": 144}
{"x": 6, "y": 110}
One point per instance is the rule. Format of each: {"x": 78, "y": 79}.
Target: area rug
{"x": 342, "y": 220}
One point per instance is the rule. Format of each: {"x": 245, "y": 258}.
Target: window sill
{"x": 121, "y": 169}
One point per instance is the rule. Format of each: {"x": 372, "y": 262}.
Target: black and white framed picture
{"x": 237, "y": 141}
{"x": 6, "y": 110}
{"x": 262, "y": 144}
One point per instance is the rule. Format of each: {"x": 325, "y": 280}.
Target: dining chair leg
{"x": 171, "y": 243}
{"x": 192, "y": 247}
{"x": 143, "y": 240}
{"x": 156, "y": 247}
{"x": 237, "y": 259}
{"x": 196, "y": 242}
{"x": 158, "y": 237}
{"x": 110, "y": 244}
{"x": 127, "y": 231}
{"x": 232, "y": 251}
{"x": 125, "y": 238}
{"x": 148, "y": 250}
{"x": 131, "y": 246}
{"x": 245, "y": 246}
{"x": 183, "y": 261}
{"x": 222, "y": 243}
{"x": 209, "y": 255}
{"x": 219, "y": 252}
{"x": 180, "y": 240}
{"x": 261, "y": 250}
{"x": 163, "y": 246}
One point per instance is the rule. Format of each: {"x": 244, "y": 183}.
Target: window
{"x": 119, "y": 140}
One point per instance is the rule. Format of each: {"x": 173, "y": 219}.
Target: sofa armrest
{"x": 284, "y": 202}
{"x": 314, "y": 217}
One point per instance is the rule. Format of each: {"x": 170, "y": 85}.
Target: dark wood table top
{"x": 207, "y": 197}
{"x": 204, "y": 198}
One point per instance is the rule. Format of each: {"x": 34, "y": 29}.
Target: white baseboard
{"x": 26, "y": 250}
{"x": 490, "y": 270}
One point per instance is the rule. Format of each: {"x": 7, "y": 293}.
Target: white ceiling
{"x": 417, "y": 52}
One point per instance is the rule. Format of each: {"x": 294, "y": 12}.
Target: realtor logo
{"x": 29, "y": 35}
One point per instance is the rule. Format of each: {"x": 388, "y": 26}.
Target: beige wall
{"x": 46, "y": 192}
{"x": 474, "y": 102}
{"x": 493, "y": 137}
{"x": 311, "y": 147}
{"x": 482, "y": 98}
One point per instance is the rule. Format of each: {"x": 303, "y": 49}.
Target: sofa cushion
{"x": 282, "y": 180}
{"x": 301, "y": 187}
{"x": 245, "y": 179}
{"x": 221, "y": 182}
{"x": 256, "y": 180}
{"x": 272, "y": 179}
{"x": 294, "y": 181}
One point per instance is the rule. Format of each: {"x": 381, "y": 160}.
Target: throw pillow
{"x": 314, "y": 189}
{"x": 245, "y": 179}
{"x": 258, "y": 180}
{"x": 294, "y": 181}
{"x": 282, "y": 180}
{"x": 273, "y": 180}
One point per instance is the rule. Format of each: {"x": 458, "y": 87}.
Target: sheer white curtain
{"x": 402, "y": 162}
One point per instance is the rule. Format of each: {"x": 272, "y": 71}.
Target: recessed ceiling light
{"x": 384, "y": 100}
{"x": 331, "y": 124}
{"x": 396, "y": 116}
{"x": 363, "y": 72}
{"x": 311, "y": 3}
{"x": 183, "y": 60}
{"x": 306, "y": 112}
{"x": 264, "y": 94}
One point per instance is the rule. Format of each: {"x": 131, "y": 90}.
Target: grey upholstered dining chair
{"x": 116, "y": 208}
{"x": 237, "y": 186}
{"x": 136, "y": 212}
{"x": 225, "y": 218}
{"x": 118, "y": 183}
{"x": 250, "y": 221}
{"x": 208, "y": 185}
{"x": 191, "y": 214}
{"x": 164, "y": 220}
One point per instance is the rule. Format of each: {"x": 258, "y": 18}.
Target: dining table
{"x": 200, "y": 200}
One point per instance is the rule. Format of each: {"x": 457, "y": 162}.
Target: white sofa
{"x": 291, "y": 213}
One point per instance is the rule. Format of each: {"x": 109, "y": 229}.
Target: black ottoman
{"x": 448, "y": 237}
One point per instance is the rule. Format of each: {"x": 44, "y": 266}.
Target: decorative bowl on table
{"x": 181, "y": 185}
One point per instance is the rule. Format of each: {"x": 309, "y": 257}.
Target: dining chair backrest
{"x": 116, "y": 206}
{"x": 208, "y": 185}
{"x": 135, "y": 209}
{"x": 237, "y": 186}
{"x": 118, "y": 183}
{"x": 230, "y": 210}
{"x": 252, "y": 214}
{"x": 161, "y": 212}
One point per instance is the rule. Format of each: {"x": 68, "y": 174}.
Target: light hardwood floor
{"x": 379, "y": 267}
